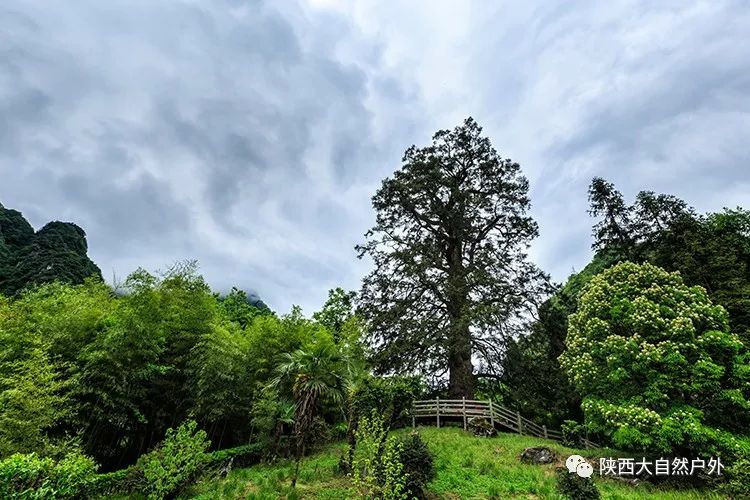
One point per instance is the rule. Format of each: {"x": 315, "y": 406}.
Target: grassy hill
{"x": 466, "y": 467}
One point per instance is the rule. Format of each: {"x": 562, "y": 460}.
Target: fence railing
{"x": 498, "y": 415}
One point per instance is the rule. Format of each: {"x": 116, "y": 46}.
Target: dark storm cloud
{"x": 174, "y": 130}
{"x": 251, "y": 135}
{"x": 648, "y": 95}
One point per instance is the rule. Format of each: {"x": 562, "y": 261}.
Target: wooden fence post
{"x": 463, "y": 409}
{"x": 520, "y": 422}
{"x": 492, "y": 415}
{"x": 544, "y": 428}
{"x": 437, "y": 411}
{"x": 413, "y": 423}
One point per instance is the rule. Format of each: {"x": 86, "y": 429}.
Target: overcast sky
{"x": 251, "y": 135}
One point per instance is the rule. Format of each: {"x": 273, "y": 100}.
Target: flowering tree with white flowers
{"x": 656, "y": 365}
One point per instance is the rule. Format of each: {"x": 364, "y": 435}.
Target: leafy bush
{"x": 659, "y": 368}
{"x": 737, "y": 477}
{"x": 30, "y": 476}
{"x": 572, "y": 433}
{"x": 119, "y": 482}
{"x": 176, "y": 461}
{"x": 270, "y": 416}
{"x": 418, "y": 467}
{"x": 391, "y": 396}
{"x": 242, "y": 456}
{"x": 338, "y": 431}
{"x": 574, "y": 487}
{"x": 319, "y": 434}
{"x": 480, "y": 426}
{"x": 377, "y": 470}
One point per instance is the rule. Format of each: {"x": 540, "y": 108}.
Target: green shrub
{"x": 319, "y": 434}
{"x": 574, "y": 487}
{"x": 660, "y": 370}
{"x": 391, "y": 396}
{"x": 271, "y": 417}
{"x": 480, "y": 426}
{"x": 119, "y": 482}
{"x": 737, "y": 477}
{"x": 418, "y": 467}
{"x": 176, "y": 461}
{"x": 338, "y": 431}
{"x": 242, "y": 456}
{"x": 377, "y": 470}
{"x": 30, "y": 476}
{"x": 572, "y": 433}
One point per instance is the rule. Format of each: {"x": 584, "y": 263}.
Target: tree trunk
{"x": 460, "y": 369}
{"x": 461, "y": 372}
{"x": 302, "y": 422}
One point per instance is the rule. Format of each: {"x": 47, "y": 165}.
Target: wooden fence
{"x": 497, "y": 414}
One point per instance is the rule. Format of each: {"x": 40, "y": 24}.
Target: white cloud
{"x": 251, "y": 135}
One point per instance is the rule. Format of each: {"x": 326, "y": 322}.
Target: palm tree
{"x": 317, "y": 373}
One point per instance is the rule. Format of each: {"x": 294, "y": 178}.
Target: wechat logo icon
{"x": 577, "y": 464}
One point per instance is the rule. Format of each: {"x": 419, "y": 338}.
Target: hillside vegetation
{"x": 466, "y": 467}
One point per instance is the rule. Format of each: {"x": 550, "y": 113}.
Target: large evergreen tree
{"x": 711, "y": 250}
{"x": 451, "y": 273}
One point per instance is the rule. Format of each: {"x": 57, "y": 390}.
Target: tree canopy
{"x": 451, "y": 272}
{"x": 657, "y": 365}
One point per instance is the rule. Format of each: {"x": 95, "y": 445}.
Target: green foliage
{"x": 418, "y": 464}
{"x": 270, "y": 416}
{"x": 135, "y": 378}
{"x": 572, "y": 433}
{"x": 391, "y": 396}
{"x": 118, "y": 371}
{"x": 120, "y": 482}
{"x": 377, "y": 470}
{"x": 533, "y": 380}
{"x": 176, "y": 461}
{"x": 612, "y": 233}
{"x": 337, "y": 310}
{"x": 57, "y": 252}
{"x": 237, "y": 307}
{"x": 31, "y": 476}
{"x": 574, "y": 487}
{"x": 318, "y": 374}
{"x": 657, "y": 364}
{"x": 319, "y": 434}
{"x": 240, "y": 455}
{"x": 222, "y": 381}
{"x": 449, "y": 259}
{"x": 737, "y": 479}
{"x": 30, "y": 403}
{"x": 712, "y": 250}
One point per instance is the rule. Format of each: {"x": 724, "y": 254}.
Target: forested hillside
{"x": 164, "y": 382}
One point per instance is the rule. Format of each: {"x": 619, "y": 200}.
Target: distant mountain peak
{"x": 58, "y": 251}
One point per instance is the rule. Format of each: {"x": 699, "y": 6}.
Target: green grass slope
{"x": 467, "y": 467}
